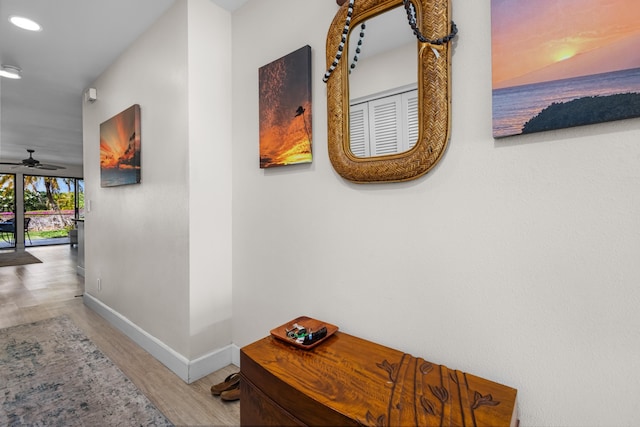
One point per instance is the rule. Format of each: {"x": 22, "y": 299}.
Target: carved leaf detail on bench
{"x": 440, "y": 392}
{"x": 453, "y": 378}
{"x": 451, "y": 390}
{"x": 426, "y": 367}
{"x": 428, "y": 405}
{"x": 480, "y": 400}
{"x": 373, "y": 421}
{"x": 392, "y": 369}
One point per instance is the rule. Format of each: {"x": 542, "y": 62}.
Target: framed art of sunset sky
{"x": 285, "y": 110}
{"x": 563, "y": 63}
{"x": 120, "y": 149}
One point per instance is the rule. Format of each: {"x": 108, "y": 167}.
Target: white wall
{"x": 137, "y": 236}
{"x": 515, "y": 260}
{"x": 162, "y": 249}
{"x": 209, "y": 176}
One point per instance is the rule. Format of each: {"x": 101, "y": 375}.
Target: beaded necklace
{"x": 411, "y": 17}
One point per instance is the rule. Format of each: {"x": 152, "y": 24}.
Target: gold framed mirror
{"x": 434, "y": 96}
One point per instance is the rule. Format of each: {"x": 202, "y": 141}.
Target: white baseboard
{"x": 203, "y": 366}
{"x": 188, "y": 370}
{"x": 235, "y": 355}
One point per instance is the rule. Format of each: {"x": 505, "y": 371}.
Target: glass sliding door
{"x": 49, "y": 209}
{"x": 7, "y": 210}
{"x": 80, "y": 199}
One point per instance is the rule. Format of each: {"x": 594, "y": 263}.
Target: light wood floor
{"x": 40, "y": 291}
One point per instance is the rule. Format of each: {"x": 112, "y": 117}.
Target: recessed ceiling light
{"x": 25, "y": 23}
{"x": 10, "y": 72}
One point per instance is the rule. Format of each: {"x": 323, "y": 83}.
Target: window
{"x": 384, "y": 124}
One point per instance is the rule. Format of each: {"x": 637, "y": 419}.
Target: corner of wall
{"x": 188, "y": 370}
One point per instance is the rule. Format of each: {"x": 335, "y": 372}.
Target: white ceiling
{"x": 79, "y": 40}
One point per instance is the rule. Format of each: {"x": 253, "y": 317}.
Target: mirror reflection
{"x": 383, "y": 90}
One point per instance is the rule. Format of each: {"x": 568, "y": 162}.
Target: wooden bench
{"x": 348, "y": 381}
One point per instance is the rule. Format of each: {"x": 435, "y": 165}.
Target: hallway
{"x": 33, "y": 292}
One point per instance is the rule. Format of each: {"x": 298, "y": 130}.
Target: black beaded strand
{"x": 355, "y": 57}
{"x": 411, "y": 16}
{"x": 343, "y": 40}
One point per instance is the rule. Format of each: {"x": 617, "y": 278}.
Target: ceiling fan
{"x": 33, "y": 163}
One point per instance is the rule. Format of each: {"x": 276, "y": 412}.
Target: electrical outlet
{"x": 99, "y": 284}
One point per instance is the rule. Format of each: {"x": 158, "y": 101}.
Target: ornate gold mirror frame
{"x": 434, "y": 92}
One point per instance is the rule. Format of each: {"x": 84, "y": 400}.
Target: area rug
{"x": 52, "y": 374}
{"x": 8, "y": 259}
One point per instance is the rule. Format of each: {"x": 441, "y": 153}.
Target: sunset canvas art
{"x": 120, "y": 149}
{"x": 285, "y": 110}
{"x": 563, "y": 63}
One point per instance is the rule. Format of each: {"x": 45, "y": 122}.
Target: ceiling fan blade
{"x": 10, "y": 163}
{"x": 45, "y": 166}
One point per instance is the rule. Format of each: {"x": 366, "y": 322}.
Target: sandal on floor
{"x": 230, "y": 395}
{"x": 229, "y": 383}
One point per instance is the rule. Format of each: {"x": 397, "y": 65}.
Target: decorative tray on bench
{"x": 287, "y": 331}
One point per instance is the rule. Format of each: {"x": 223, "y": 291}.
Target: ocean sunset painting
{"x": 285, "y": 110}
{"x": 563, "y": 63}
{"x": 120, "y": 149}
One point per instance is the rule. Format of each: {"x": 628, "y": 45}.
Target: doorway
{"x": 7, "y": 210}
{"x": 51, "y": 206}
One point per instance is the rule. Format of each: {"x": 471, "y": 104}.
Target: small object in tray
{"x": 297, "y": 332}
{"x": 315, "y": 336}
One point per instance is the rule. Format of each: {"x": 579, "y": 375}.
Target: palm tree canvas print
{"x": 285, "y": 110}
{"x": 564, "y": 63}
{"x": 120, "y": 149}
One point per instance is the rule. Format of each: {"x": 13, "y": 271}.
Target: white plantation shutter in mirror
{"x": 359, "y": 130}
{"x": 385, "y": 117}
{"x": 410, "y": 106}
{"x": 384, "y": 125}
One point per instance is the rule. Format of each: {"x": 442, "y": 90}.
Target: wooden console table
{"x": 348, "y": 381}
